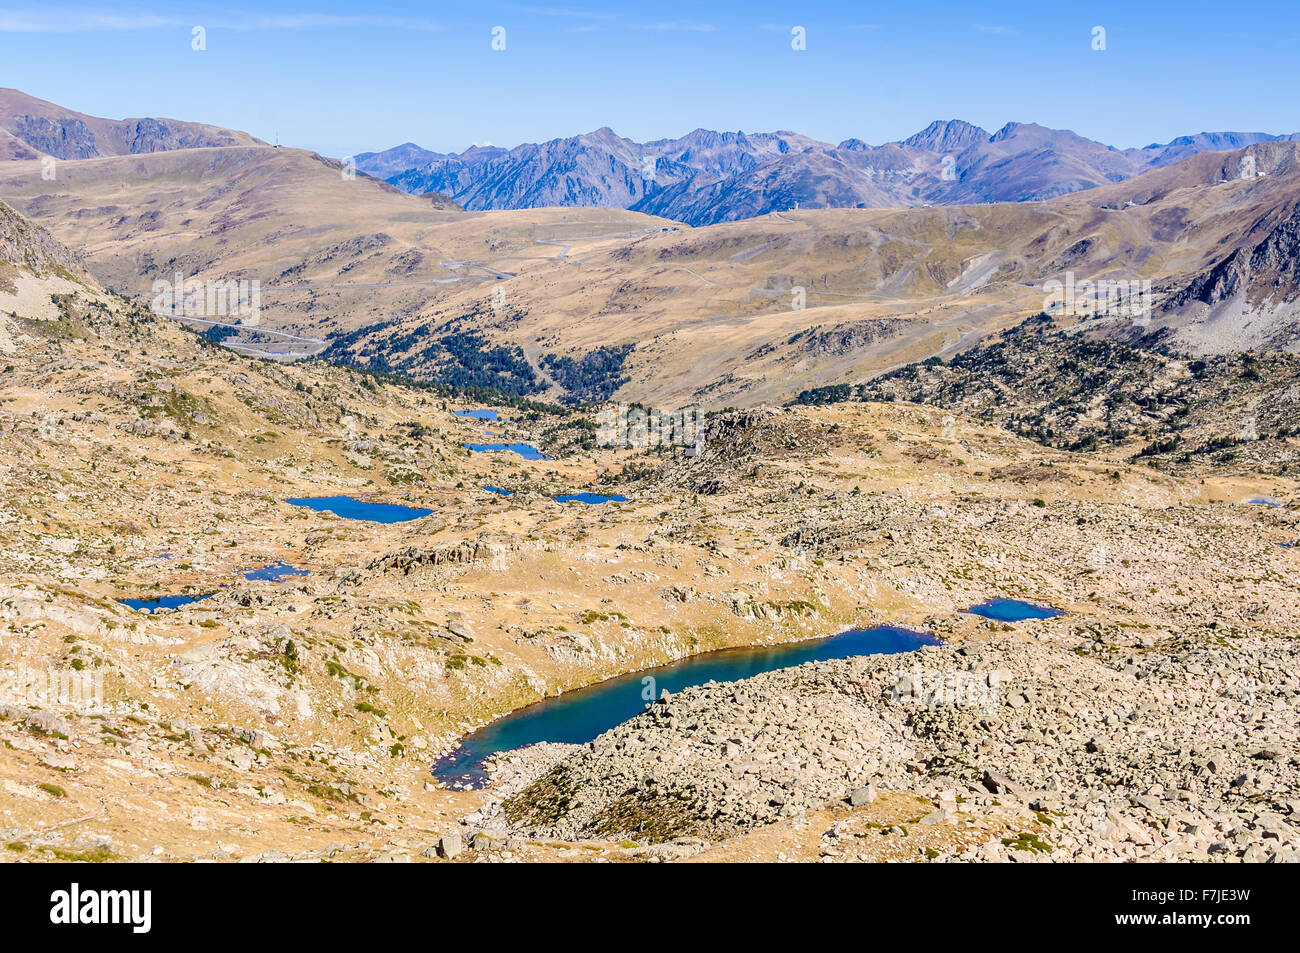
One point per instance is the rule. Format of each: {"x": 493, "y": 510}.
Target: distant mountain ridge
{"x": 31, "y": 128}
{"x": 706, "y": 177}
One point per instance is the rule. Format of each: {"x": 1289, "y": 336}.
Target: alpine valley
{"x": 981, "y": 483}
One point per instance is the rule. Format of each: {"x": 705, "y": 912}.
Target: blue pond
{"x": 523, "y": 449}
{"x": 579, "y": 716}
{"x": 478, "y": 414}
{"x": 354, "y": 509}
{"x": 498, "y": 491}
{"x": 163, "y": 602}
{"x": 590, "y": 498}
{"x": 275, "y": 572}
{"x": 1263, "y": 501}
{"x": 1013, "y": 610}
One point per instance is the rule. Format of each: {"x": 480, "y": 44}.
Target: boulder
{"x": 862, "y": 795}
{"x": 48, "y": 722}
{"x": 449, "y": 846}
{"x": 999, "y": 783}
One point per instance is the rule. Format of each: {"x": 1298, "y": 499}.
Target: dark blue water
{"x": 1013, "y": 610}
{"x": 498, "y": 491}
{"x": 164, "y": 602}
{"x": 523, "y": 449}
{"x": 275, "y": 572}
{"x": 354, "y": 509}
{"x": 579, "y": 716}
{"x": 478, "y": 414}
{"x": 1264, "y": 501}
{"x": 590, "y": 498}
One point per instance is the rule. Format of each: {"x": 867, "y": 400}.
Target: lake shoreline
{"x": 445, "y": 747}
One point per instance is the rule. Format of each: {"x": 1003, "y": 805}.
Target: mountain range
{"x": 706, "y": 177}
{"x": 702, "y": 178}
{"x": 577, "y": 304}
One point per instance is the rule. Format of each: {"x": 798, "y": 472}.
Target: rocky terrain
{"x": 1095, "y": 745}
{"x": 1079, "y": 390}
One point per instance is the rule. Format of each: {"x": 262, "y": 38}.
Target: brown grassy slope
{"x": 710, "y": 310}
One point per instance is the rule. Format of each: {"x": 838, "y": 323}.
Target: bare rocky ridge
{"x": 34, "y": 250}
{"x": 1079, "y": 390}
{"x": 52, "y": 130}
{"x": 1247, "y": 300}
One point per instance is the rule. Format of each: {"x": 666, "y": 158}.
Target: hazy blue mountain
{"x": 707, "y": 176}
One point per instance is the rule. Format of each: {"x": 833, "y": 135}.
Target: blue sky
{"x": 345, "y": 78}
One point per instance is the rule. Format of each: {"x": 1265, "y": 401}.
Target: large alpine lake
{"x": 579, "y": 716}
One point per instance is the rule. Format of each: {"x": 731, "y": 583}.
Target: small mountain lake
{"x": 163, "y": 602}
{"x": 579, "y": 716}
{"x": 499, "y": 491}
{"x": 524, "y": 450}
{"x": 591, "y": 498}
{"x": 478, "y": 414}
{"x": 275, "y": 572}
{"x": 1013, "y": 610}
{"x": 350, "y": 508}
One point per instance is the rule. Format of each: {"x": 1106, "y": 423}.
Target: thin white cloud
{"x": 91, "y": 21}
{"x": 308, "y": 21}
{"x": 47, "y": 21}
